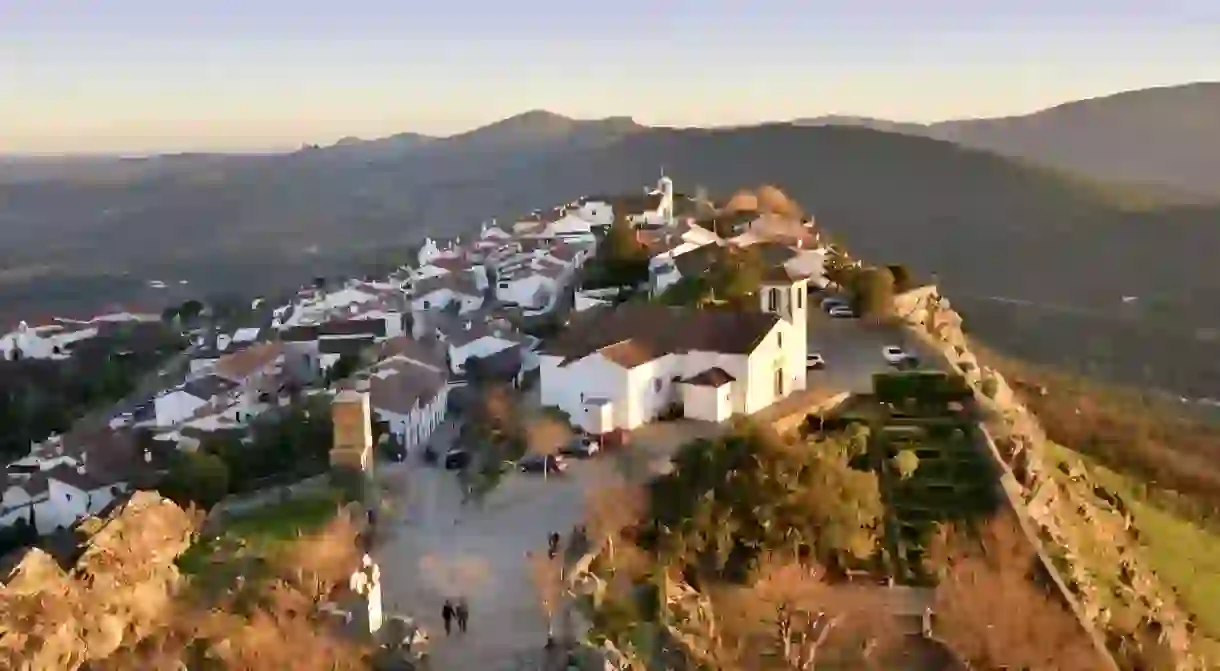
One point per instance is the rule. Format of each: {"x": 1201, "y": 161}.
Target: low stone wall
{"x": 244, "y": 504}
{"x": 932, "y": 321}
{"x": 1018, "y": 447}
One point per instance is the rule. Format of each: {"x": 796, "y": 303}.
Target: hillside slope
{"x": 1166, "y": 136}
{"x": 988, "y": 226}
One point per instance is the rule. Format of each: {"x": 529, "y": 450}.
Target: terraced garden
{"x": 930, "y": 470}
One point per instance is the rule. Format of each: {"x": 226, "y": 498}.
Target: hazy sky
{"x": 140, "y": 75}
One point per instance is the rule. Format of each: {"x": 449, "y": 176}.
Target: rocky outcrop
{"x": 1086, "y": 530}
{"x": 115, "y": 592}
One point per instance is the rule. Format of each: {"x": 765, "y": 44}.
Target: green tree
{"x": 906, "y": 462}
{"x": 726, "y": 501}
{"x": 190, "y": 310}
{"x": 873, "y": 292}
{"x": 902, "y": 277}
{"x": 621, "y": 259}
{"x": 199, "y": 478}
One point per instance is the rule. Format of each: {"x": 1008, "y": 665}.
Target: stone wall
{"x": 241, "y": 504}
{"x": 1019, "y": 449}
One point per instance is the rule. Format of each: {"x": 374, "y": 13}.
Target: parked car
{"x": 899, "y": 357}
{"x": 582, "y": 446}
{"x": 829, "y": 304}
{"x": 456, "y": 459}
{"x": 814, "y": 362}
{"x": 842, "y": 312}
{"x": 550, "y": 463}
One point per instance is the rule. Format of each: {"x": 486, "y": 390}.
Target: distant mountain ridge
{"x": 1166, "y": 135}
{"x": 987, "y": 225}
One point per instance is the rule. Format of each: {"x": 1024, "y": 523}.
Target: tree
{"x": 771, "y": 199}
{"x": 789, "y": 611}
{"x": 611, "y": 510}
{"x": 199, "y": 478}
{"x": 726, "y": 501}
{"x": 873, "y": 292}
{"x": 902, "y": 277}
{"x": 742, "y": 201}
{"x": 906, "y": 462}
{"x": 190, "y": 310}
{"x": 1017, "y": 625}
{"x": 546, "y": 574}
{"x": 621, "y": 259}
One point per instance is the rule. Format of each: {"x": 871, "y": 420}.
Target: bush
{"x": 873, "y": 292}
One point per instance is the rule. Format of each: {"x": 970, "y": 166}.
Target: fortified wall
{"x": 1058, "y": 508}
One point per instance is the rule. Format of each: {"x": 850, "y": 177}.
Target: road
{"x": 852, "y": 350}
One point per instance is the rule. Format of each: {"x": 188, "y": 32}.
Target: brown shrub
{"x": 742, "y": 201}
{"x": 991, "y": 612}
{"x": 772, "y": 199}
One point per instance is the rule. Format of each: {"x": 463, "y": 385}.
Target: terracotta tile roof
{"x": 241, "y": 365}
{"x": 712, "y": 377}
{"x": 655, "y": 330}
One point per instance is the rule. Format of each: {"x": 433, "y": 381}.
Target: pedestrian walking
{"x": 447, "y": 613}
{"x": 553, "y": 542}
{"x": 462, "y": 611}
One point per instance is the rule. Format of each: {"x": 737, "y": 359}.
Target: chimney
{"x": 469, "y": 325}
{"x": 147, "y": 456}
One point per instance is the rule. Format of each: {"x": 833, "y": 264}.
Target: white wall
{"x": 591, "y": 377}
{"x": 597, "y": 213}
{"x": 710, "y": 404}
{"x": 413, "y": 430}
{"x": 175, "y": 407}
{"x": 66, "y": 504}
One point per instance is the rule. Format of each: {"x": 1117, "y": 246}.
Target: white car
{"x": 895, "y": 354}
{"x": 814, "y": 361}
{"x": 832, "y": 303}
{"x": 842, "y": 312}
{"x": 581, "y": 447}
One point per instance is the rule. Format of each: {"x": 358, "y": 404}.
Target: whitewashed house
{"x": 182, "y": 403}
{"x": 411, "y": 397}
{"x": 77, "y": 475}
{"x": 51, "y": 341}
{"x": 438, "y": 292}
{"x": 473, "y": 338}
{"x": 617, "y": 369}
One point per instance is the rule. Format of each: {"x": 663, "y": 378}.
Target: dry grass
{"x": 1174, "y": 453}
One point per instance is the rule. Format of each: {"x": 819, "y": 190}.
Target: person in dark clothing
{"x": 462, "y": 612}
{"x": 447, "y": 613}
{"x": 553, "y": 540}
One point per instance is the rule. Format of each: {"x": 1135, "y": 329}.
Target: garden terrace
{"x": 929, "y": 468}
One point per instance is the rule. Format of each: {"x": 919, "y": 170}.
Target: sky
{"x": 87, "y": 76}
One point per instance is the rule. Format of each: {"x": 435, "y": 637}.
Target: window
{"x": 800, "y": 298}
{"x": 656, "y": 385}
{"x": 773, "y": 300}
{"x": 779, "y": 337}
{"x": 779, "y": 382}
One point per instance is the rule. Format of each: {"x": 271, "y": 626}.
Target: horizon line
{"x": 279, "y": 151}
